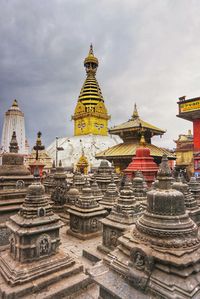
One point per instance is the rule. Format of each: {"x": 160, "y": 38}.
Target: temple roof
{"x": 128, "y": 150}
{"x": 135, "y": 123}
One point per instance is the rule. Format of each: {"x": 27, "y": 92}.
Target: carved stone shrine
{"x": 85, "y": 216}
{"x": 160, "y": 257}
{"x": 33, "y": 262}
{"x": 110, "y": 197}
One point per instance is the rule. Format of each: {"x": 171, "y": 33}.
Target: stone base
{"x": 4, "y": 235}
{"x": 113, "y": 285}
{"x": 49, "y": 278}
{"x": 84, "y": 236}
{"x": 104, "y": 249}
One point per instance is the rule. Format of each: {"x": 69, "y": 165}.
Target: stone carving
{"x": 20, "y": 184}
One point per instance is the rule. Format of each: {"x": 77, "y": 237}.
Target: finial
{"x": 15, "y": 103}
{"x": 91, "y": 50}
{"x": 135, "y": 112}
{"x": 142, "y": 140}
{"x": 13, "y": 143}
{"x": 38, "y": 147}
{"x": 54, "y": 164}
{"x": 60, "y": 163}
{"x": 164, "y": 169}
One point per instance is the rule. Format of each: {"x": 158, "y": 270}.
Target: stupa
{"x": 96, "y": 191}
{"x": 195, "y": 189}
{"x": 13, "y": 171}
{"x": 79, "y": 181}
{"x": 90, "y": 124}
{"x": 121, "y": 219}
{"x": 33, "y": 263}
{"x": 14, "y": 121}
{"x": 190, "y": 202}
{"x": 49, "y": 180}
{"x": 85, "y": 216}
{"x": 104, "y": 174}
{"x": 110, "y": 197}
{"x": 59, "y": 194}
{"x": 143, "y": 162}
{"x": 139, "y": 188}
{"x": 160, "y": 257}
{"x": 71, "y": 197}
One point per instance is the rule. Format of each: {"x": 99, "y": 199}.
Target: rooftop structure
{"x": 14, "y": 121}
{"x": 131, "y": 132}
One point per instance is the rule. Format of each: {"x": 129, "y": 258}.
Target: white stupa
{"x": 14, "y": 121}
{"x": 90, "y": 124}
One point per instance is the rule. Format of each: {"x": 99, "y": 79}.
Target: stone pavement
{"x": 76, "y": 247}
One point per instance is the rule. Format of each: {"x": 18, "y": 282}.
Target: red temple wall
{"x": 196, "y": 132}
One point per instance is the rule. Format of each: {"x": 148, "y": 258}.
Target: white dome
{"x": 74, "y": 146}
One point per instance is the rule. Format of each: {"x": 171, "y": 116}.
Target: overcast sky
{"x": 148, "y": 51}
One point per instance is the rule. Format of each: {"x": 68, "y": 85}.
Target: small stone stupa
{"x": 195, "y": 189}
{"x": 160, "y": 257}
{"x": 122, "y": 217}
{"x": 13, "y": 172}
{"x": 85, "y": 216}
{"x": 71, "y": 198}
{"x": 14, "y": 180}
{"x": 110, "y": 197}
{"x": 59, "y": 193}
{"x": 96, "y": 191}
{"x": 49, "y": 180}
{"x": 139, "y": 188}
{"x": 33, "y": 263}
{"x": 104, "y": 174}
{"x": 190, "y": 202}
{"x": 79, "y": 181}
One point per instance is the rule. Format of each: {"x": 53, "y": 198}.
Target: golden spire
{"x": 91, "y": 62}
{"x": 135, "y": 112}
{"x": 90, "y": 114}
{"x": 142, "y": 139}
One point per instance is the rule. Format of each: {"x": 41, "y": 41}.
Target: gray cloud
{"x": 148, "y": 52}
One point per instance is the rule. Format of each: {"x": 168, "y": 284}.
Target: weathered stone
{"x": 96, "y": 191}
{"x": 33, "y": 260}
{"x": 194, "y": 186}
{"x": 161, "y": 256}
{"x": 110, "y": 197}
{"x": 190, "y": 202}
{"x": 85, "y": 215}
{"x": 122, "y": 217}
{"x": 104, "y": 174}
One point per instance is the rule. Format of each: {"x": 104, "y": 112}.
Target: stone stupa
{"x": 160, "y": 257}
{"x": 85, "y": 216}
{"x": 32, "y": 264}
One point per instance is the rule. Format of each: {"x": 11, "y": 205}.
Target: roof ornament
{"x": 135, "y": 112}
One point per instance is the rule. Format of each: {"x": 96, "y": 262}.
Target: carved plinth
{"x": 160, "y": 257}
{"x": 85, "y": 216}
{"x": 122, "y": 217}
{"x": 33, "y": 262}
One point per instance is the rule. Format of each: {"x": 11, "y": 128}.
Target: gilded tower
{"x": 90, "y": 115}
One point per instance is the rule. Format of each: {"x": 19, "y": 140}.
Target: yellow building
{"x": 184, "y": 153}
{"x": 90, "y": 115}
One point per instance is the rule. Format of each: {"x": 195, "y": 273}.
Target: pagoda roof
{"x": 128, "y": 150}
{"x": 135, "y": 123}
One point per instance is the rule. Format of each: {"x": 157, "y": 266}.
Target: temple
{"x": 130, "y": 132}
{"x": 14, "y": 121}
{"x": 90, "y": 115}
{"x": 90, "y": 125}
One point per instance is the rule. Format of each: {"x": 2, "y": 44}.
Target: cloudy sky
{"x": 148, "y": 51}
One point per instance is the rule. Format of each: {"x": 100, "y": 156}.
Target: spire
{"x": 15, "y": 103}
{"x": 135, "y": 112}
{"x": 91, "y": 62}
{"x": 13, "y": 144}
{"x": 142, "y": 140}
